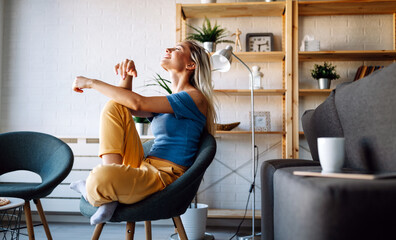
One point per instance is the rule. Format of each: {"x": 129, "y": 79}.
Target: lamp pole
{"x": 222, "y": 62}
{"x": 253, "y": 187}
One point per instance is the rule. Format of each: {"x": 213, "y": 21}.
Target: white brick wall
{"x": 47, "y": 43}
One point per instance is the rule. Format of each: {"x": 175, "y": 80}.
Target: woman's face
{"x": 177, "y": 58}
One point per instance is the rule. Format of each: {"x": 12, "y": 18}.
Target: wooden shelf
{"x": 351, "y": 7}
{"x": 314, "y": 92}
{"x": 233, "y": 213}
{"x": 224, "y": 10}
{"x": 246, "y": 92}
{"x": 249, "y": 132}
{"x": 275, "y": 56}
{"x": 381, "y": 55}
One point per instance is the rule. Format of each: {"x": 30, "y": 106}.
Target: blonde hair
{"x": 202, "y": 80}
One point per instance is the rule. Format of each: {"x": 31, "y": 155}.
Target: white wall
{"x": 49, "y": 42}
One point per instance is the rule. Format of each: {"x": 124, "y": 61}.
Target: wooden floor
{"x": 81, "y": 231}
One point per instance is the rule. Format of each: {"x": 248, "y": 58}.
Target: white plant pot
{"x": 142, "y": 128}
{"x": 194, "y": 221}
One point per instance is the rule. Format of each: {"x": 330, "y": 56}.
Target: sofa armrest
{"x": 268, "y": 169}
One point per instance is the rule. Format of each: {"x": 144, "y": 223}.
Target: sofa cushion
{"x": 332, "y": 208}
{"x": 366, "y": 109}
{"x": 321, "y": 122}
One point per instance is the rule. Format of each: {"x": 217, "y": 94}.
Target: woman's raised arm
{"x": 128, "y": 98}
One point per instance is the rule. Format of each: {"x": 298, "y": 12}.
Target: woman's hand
{"x": 82, "y": 82}
{"x": 126, "y": 68}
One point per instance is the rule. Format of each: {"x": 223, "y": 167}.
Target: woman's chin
{"x": 163, "y": 65}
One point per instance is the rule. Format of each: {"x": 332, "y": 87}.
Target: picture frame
{"x": 262, "y": 121}
{"x": 259, "y": 42}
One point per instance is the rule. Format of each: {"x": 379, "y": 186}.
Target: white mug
{"x": 331, "y": 153}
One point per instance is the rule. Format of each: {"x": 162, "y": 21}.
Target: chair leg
{"x": 29, "y": 221}
{"x": 180, "y": 229}
{"x": 130, "y": 230}
{"x": 98, "y": 231}
{"x": 147, "y": 227}
{"x": 43, "y": 219}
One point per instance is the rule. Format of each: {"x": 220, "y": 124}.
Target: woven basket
{"x": 227, "y": 127}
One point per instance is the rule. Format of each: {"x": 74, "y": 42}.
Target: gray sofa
{"x": 305, "y": 208}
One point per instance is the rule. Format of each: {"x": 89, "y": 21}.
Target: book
{"x": 357, "y": 75}
{"x": 369, "y": 70}
{"x": 364, "y": 71}
{"x": 347, "y": 174}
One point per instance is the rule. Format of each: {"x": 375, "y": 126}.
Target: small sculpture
{"x": 237, "y": 39}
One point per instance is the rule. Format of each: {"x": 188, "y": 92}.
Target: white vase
{"x": 194, "y": 221}
{"x": 208, "y": 1}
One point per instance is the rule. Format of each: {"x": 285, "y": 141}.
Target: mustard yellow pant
{"x": 137, "y": 177}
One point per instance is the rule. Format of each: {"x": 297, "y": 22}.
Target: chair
{"x": 40, "y": 153}
{"x": 300, "y": 208}
{"x": 168, "y": 203}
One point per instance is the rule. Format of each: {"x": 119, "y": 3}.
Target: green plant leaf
{"x": 207, "y": 33}
{"x": 327, "y": 70}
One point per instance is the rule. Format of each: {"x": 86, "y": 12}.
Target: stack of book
{"x": 365, "y": 71}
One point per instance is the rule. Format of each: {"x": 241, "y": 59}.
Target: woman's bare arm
{"x": 128, "y": 98}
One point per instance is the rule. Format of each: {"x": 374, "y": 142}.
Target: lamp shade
{"x": 221, "y": 60}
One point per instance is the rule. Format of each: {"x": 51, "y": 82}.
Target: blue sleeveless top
{"x": 177, "y": 134}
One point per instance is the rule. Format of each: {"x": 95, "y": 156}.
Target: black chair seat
{"x": 171, "y": 202}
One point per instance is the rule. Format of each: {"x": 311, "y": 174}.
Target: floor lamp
{"x": 221, "y": 61}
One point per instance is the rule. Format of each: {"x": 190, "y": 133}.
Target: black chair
{"x": 40, "y": 153}
{"x": 171, "y": 202}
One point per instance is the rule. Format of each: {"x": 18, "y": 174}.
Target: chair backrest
{"x": 40, "y": 153}
{"x": 321, "y": 122}
{"x": 175, "y": 198}
{"x": 363, "y": 113}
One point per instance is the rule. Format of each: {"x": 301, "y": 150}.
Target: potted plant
{"x": 324, "y": 74}
{"x": 209, "y": 35}
{"x": 142, "y": 125}
{"x": 162, "y": 82}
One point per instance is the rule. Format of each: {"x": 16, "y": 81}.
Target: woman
{"x": 177, "y": 123}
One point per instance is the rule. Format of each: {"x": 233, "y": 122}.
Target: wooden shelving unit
{"x": 333, "y": 8}
{"x": 251, "y": 9}
{"x": 275, "y": 56}
{"x": 225, "y": 10}
{"x": 249, "y": 132}
{"x": 233, "y": 213}
{"x": 246, "y": 92}
{"x": 351, "y": 7}
{"x": 314, "y": 92}
{"x": 347, "y": 55}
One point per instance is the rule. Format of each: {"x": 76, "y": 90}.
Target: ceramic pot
{"x": 324, "y": 83}
{"x": 210, "y": 46}
{"x": 194, "y": 221}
